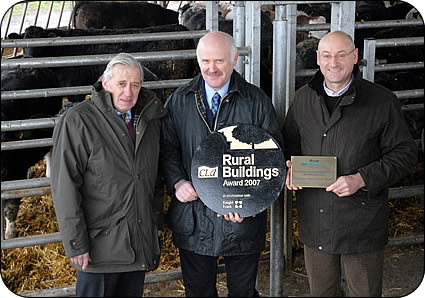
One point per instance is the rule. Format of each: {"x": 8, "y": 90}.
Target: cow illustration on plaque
{"x": 238, "y": 169}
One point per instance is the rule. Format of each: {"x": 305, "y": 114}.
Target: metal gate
{"x": 247, "y": 33}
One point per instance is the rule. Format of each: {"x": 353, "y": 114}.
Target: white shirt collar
{"x": 331, "y": 93}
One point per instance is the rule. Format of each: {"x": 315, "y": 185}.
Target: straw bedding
{"x": 45, "y": 267}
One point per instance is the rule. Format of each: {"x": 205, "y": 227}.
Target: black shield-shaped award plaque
{"x": 239, "y": 169}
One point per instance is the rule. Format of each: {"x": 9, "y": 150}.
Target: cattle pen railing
{"x": 83, "y": 61}
{"x": 36, "y": 17}
{"x": 142, "y": 56}
{"x": 15, "y": 189}
{"x": 41, "y": 186}
{"x": 369, "y": 53}
{"x": 99, "y": 59}
{"x": 368, "y": 68}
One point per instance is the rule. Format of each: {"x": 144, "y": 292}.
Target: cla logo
{"x": 206, "y": 172}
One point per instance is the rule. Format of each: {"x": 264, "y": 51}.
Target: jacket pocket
{"x": 111, "y": 245}
{"x": 246, "y": 230}
{"x": 364, "y": 199}
{"x": 180, "y": 217}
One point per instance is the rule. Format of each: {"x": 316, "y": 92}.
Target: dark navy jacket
{"x": 195, "y": 226}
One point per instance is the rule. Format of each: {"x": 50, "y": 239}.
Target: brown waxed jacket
{"x": 103, "y": 184}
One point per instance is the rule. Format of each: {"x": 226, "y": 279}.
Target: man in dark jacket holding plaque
{"x": 105, "y": 161}
{"x": 345, "y": 225}
{"x": 201, "y": 234}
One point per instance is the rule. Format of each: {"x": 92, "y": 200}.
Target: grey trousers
{"x": 363, "y": 273}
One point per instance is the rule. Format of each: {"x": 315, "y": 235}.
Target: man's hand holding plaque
{"x": 312, "y": 171}
{"x": 341, "y": 186}
{"x": 186, "y": 193}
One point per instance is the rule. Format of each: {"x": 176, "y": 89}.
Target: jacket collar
{"x": 316, "y": 83}
{"x": 237, "y": 84}
{"x": 148, "y": 106}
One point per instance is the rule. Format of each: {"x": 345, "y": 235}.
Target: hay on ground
{"x": 45, "y": 267}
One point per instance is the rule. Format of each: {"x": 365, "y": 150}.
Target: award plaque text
{"x": 239, "y": 169}
{"x": 313, "y": 171}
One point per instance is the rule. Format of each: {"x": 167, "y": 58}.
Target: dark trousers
{"x": 200, "y": 274}
{"x": 363, "y": 273}
{"x": 123, "y": 284}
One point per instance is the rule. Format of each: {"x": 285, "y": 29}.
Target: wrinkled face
{"x": 124, "y": 86}
{"x": 216, "y": 64}
{"x": 336, "y": 57}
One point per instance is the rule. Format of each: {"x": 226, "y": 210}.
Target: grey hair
{"x": 227, "y": 37}
{"x": 124, "y": 59}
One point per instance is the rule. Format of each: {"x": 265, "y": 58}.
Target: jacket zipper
{"x": 203, "y": 119}
{"x": 218, "y": 112}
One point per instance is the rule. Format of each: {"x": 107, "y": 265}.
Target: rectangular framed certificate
{"x": 313, "y": 171}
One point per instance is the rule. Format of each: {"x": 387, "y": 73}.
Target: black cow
{"x": 305, "y": 59}
{"x": 377, "y": 11}
{"x": 365, "y": 10}
{"x": 87, "y": 75}
{"x": 403, "y": 53}
{"x": 27, "y": 78}
{"x": 22, "y": 78}
{"x": 401, "y": 80}
{"x": 192, "y": 14}
{"x": 120, "y": 15}
{"x": 406, "y": 80}
{"x": 15, "y": 164}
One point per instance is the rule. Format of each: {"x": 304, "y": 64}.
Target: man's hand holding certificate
{"x": 313, "y": 171}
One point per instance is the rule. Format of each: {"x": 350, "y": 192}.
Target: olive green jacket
{"x": 103, "y": 184}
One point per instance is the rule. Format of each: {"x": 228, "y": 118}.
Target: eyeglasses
{"x": 326, "y": 57}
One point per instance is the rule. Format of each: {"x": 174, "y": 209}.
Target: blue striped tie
{"x": 215, "y": 103}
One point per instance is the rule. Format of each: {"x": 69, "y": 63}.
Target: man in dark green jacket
{"x": 105, "y": 160}
{"x": 201, "y": 234}
{"x": 345, "y": 226}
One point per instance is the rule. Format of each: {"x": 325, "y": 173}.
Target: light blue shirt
{"x": 331, "y": 93}
{"x": 210, "y": 92}
{"x": 127, "y": 115}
